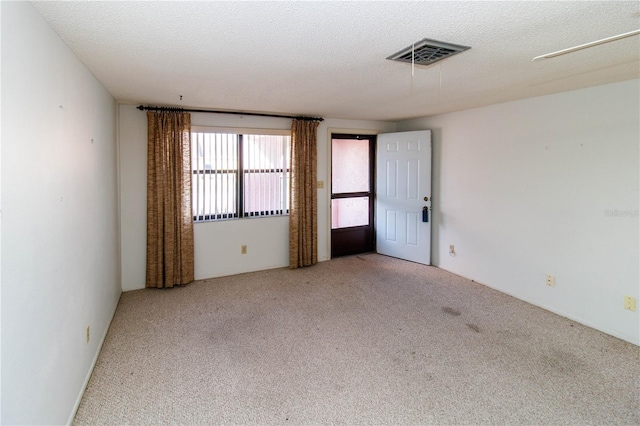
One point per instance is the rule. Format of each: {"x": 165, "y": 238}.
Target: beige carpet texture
{"x": 358, "y": 340}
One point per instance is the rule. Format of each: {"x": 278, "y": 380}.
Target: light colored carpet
{"x": 357, "y": 340}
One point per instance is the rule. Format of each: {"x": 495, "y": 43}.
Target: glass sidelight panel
{"x": 348, "y": 212}
{"x": 350, "y": 165}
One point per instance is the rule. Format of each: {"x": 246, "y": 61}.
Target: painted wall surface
{"x": 217, "y": 244}
{"x": 60, "y": 270}
{"x": 132, "y": 152}
{"x": 547, "y": 185}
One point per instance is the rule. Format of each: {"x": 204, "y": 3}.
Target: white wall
{"x": 217, "y": 244}
{"x": 523, "y": 188}
{"x": 60, "y": 270}
{"x": 132, "y": 151}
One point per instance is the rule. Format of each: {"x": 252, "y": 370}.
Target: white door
{"x": 403, "y": 183}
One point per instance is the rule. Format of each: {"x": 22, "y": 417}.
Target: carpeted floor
{"x": 357, "y": 340}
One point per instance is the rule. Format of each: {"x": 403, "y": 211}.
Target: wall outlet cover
{"x": 630, "y": 303}
{"x": 551, "y": 281}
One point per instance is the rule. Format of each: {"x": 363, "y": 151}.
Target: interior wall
{"x": 60, "y": 270}
{"x": 217, "y": 244}
{"x": 547, "y": 185}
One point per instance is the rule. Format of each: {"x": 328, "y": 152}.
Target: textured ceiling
{"x": 328, "y": 58}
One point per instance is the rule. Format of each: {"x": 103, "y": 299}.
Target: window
{"x": 238, "y": 174}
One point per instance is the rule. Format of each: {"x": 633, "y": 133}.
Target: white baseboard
{"x": 93, "y": 364}
{"x": 631, "y": 340}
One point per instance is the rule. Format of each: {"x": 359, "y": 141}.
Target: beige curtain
{"x": 169, "y": 217}
{"x": 303, "y": 209}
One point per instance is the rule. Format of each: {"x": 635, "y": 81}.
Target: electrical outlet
{"x": 243, "y": 250}
{"x": 320, "y": 184}
{"x": 551, "y": 281}
{"x": 88, "y": 334}
{"x": 452, "y": 249}
{"x": 630, "y": 303}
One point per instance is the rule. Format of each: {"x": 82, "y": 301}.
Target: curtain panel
{"x": 303, "y": 209}
{"x": 170, "y": 259}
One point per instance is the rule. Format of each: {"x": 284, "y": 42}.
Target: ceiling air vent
{"x": 427, "y": 52}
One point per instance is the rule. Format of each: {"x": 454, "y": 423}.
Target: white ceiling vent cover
{"x": 427, "y": 52}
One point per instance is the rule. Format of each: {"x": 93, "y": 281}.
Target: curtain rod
{"x": 178, "y": 109}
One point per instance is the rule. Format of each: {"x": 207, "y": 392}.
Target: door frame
{"x": 338, "y": 130}
{"x": 363, "y": 233}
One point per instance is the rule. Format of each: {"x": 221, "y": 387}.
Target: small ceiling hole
{"x": 427, "y": 52}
